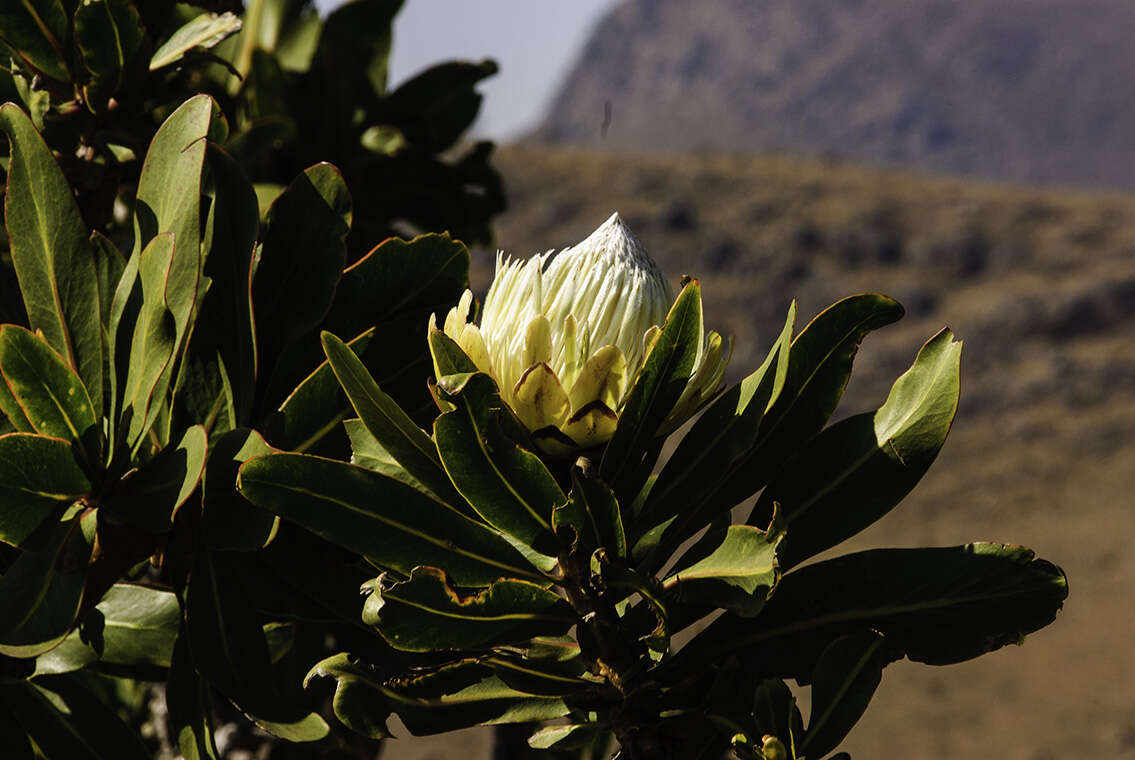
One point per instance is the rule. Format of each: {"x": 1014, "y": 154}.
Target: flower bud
{"x": 565, "y": 335}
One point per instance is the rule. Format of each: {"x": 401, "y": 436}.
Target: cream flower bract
{"x": 565, "y": 335}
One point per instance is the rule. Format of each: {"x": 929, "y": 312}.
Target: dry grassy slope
{"x": 1035, "y": 90}
{"x": 1040, "y": 284}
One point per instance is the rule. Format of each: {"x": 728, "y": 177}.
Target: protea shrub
{"x": 537, "y": 563}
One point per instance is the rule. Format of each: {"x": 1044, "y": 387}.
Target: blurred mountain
{"x": 1030, "y": 90}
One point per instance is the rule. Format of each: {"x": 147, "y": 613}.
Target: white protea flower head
{"x": 565, "y": 335}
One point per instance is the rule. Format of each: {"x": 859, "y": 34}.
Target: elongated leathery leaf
{"x": 150, "y": 497}
{"x": 39, "y": 477}
{"x": 420, "y": 276}
{"x": 224, "y": 325}
{"x": 190, "y": 704}
{"x": 204, "y": 31}
{"x": 739, "y": 573}
{"x": 132, "y": 627}
{"x": 15, "y": 743}
{"x": 154, "y": 342}
{"x": 819, "y": 366}
{"x": 659, "y": 385}
{"x": 302, "y": 257}
{"x": 318, "y": 404}
{"x": 388, "y": 522}
{"x": 169, "y": 201}
{"x": 775, "y": 712}
{"x": 41, "y": 592}
{"x": 367, "y": 452}
{"x": 48, "y": 391}
{"x": 723, "y": 435}
{"x": 510, "y": 488}
{"x": 448, "y": 357}
{"x": 593, "y": 515}
{"x": 937, "y": 606}
{"x": 847, "y": 674}
{"x": 51, "y": 252}
{"x": 36, "y": 30}
{"x": 109, "y": 34}
{"x": 229, "y": 520}
{"x": 390, "y": 426}
{"x": 229, "y": 647}
{"x": 856, "y": 471}
{"x": 426, "y": 613}
{"x": 572, "y": 736}
{"x": 545, "y": 676}
{"x": 68, "y": 721}
{"x": 458, "y": 695}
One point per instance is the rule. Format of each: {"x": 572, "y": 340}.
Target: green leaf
{"x": 203, "y": 32}
{"x": 301, "y": 577}
{"x": 418, "y": 277}
{"x": 230, "y": 521}
{"x": 544, "y": 676}
{"x": 51, "y": 253}
{"x": 658, "y": 387}
{"x": 775, "y": 713}
{"x": 15, "y": 744}
{"x": 39, "y": 477}
{"x": 229, "y": 647}
{"x": 49, "y": 393}
{"x": 190, "y": 705}
{"x": 36, "y": 100}
{"x": 593, "y": 515}
{"x": 109, "y": 266}
{"x": 302, "y": 257}
{"x": 725, "y": 433}
{"x": 36, "y": 30}
{"x": 369, "y": 453}
{"x": 448, "y": 357}
{"x": 568, "y": 737}
{"x": 41, "y": 592}
{"x": 68, "y": 722}
{"x": 390, "y": 426}
{"x": 938, "y": 606}
{"x": 224, "y": 325}
{"x": 847, "y": 674}
{"x": 739, "y": 572}
{"x": 299, "y": 41}
{"x": 651, "y": 616}
{"x": 353, "y": 52}
{"x": 317, "y": 405}
{"x": 819, "y": 366}
{"x": 856, "y": 471}
{"x": 155, "y": 340}
{"x": 150, "y": 497}
{"x": 426, "y": 613}
{"x": 392, "y": 524}
{"x": 510, "y": 488}
{"x": 132, "y": 627}
{"x": 458, "y": 695}
{"x": 435, "y": 107}
{"x": 168, "y": 201}
{"x": 109, "y": 34}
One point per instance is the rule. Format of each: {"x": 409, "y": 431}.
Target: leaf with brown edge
{"x": 426, "y": 613}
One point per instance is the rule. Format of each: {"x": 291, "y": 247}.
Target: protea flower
{"x": 565, "y": 335}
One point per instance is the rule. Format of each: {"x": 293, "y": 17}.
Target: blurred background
{"x": 971, "y": 159}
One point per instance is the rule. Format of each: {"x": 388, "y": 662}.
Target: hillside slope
{"x": 1040, "y": 285}
{"x": 1031, "y": 90}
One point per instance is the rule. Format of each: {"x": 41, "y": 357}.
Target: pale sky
{"x": 534, "y": 41}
